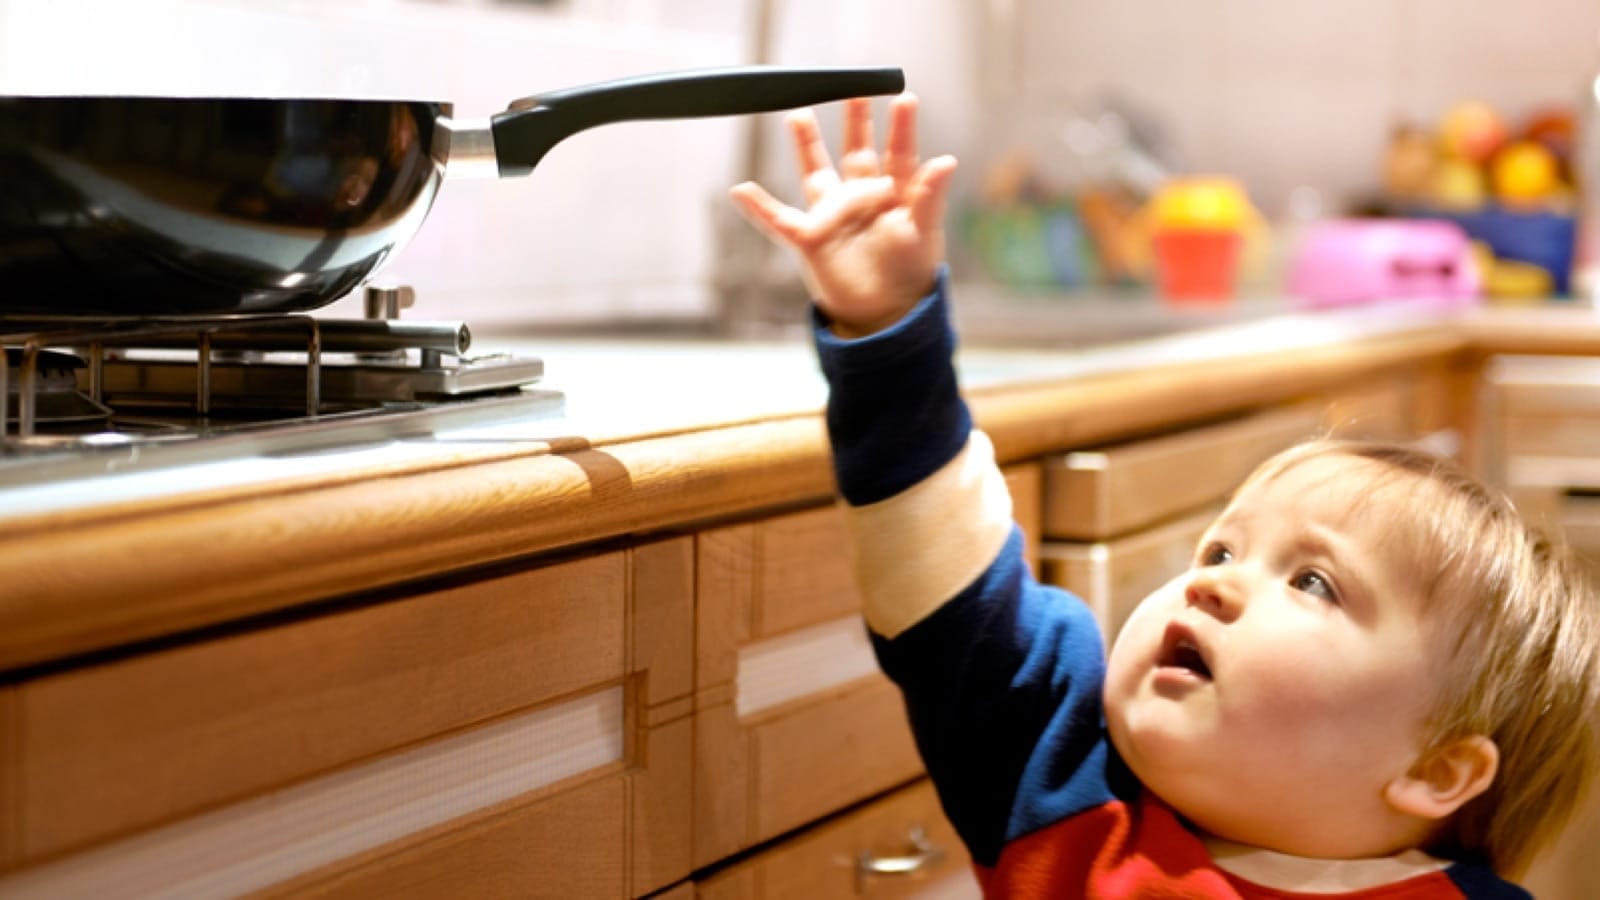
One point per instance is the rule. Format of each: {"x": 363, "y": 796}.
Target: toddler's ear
{"x": 1447, "y": 778}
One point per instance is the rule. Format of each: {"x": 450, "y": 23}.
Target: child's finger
{"x": 860, "y": 158}
{"x": 779, "y": 221}
{"x": 928, "y": 190}
{"x": 816, "y": 167}
{"x": 900, "y": 151}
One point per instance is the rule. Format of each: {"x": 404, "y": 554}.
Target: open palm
{"x": 872, "y": 235}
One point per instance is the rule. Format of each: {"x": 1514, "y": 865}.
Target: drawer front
{"x": 113, "y": 747}
{"x": 1574, "y": 516}
{"x": 786, "y": 685}
{"x": 1104, "y": 493}
{"x": 809, "y": 727}
{"x": 1112, "y": 577}
{"x": 898, "y": 847}
{"x": 1380, "y": 410}
{"x": 317, "y": 746}
{"x": 1531, "y": 433}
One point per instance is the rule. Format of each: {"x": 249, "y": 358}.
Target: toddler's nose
{"x": 1216, "y": 590}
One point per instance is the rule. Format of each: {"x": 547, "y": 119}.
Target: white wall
{"x": 622, "y": 220}
{"x": 1289, "y": 92}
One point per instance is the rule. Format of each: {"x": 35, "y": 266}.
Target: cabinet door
{"x": 1112, "y": 577}
{"x": 793, "y": 720}
{"x": 1093, "y": 495}
{"x": 1381, "y": 409}
{"x": 322, "y": 753}
{"x": 898, "y": 847}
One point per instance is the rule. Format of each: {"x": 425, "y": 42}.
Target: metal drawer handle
{"x": 923, "y": 855}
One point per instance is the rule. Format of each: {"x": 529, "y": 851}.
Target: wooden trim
{"x": 721, "y": 785}
{"x": 10, "y": 778}
{"x": 661, "y": 794}
{"x": 661, "y": 778}
{"x": 1107, "y": 492}
{"x": 272, "y": 548}
{"x": 661, "y": 619}
{"x": 724, "y": 579}
{"x": 1026, "y": 483}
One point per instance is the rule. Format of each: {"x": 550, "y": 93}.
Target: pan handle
{"x": 524, "y": 133}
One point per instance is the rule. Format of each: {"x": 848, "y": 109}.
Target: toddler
{"x": 1373, "y": 680}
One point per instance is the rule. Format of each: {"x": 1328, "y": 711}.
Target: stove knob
{"x": 385, "y": 301}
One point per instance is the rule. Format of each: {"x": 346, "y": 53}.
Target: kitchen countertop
{"x": 653, "y": 435}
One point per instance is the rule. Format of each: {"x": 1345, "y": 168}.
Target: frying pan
{"x": 165, "y": 206}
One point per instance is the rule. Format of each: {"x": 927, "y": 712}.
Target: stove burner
{"x": 73, "y": 385}
{"x": 59, "y": 402}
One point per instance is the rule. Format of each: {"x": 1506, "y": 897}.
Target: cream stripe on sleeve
{"x": 919, "y": 548}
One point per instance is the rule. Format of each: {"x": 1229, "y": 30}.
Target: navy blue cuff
{"x": 895, "y": 413}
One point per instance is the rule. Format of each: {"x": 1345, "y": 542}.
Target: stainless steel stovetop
{"x": 81, "y": 397}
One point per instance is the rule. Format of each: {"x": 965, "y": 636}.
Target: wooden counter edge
{"x": 108, "y": 582}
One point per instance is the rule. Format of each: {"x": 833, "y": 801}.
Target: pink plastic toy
{"x": 1353, "y": 261}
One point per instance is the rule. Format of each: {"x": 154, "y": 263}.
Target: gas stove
{"x": 83, "y": 395}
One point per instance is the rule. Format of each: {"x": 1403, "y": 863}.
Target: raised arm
{"x": 1001, "y": 675}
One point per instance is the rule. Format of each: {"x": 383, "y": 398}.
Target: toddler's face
{"x": 1272, "y": 690}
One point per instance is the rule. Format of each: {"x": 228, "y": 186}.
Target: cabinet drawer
{"x": 1544, "y": 407}
{"x": 297, "y": 752}
{"x": 786, "y": 685}
{"x": 1113, "y": 576}
{"x": 1104, "y": 493}
{"x": 1379, "y": 410}
{"x": 898, "y": 847}
{"x": 1575, "y": 516}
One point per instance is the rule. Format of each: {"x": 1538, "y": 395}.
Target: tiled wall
{"x": 622, "y": 221}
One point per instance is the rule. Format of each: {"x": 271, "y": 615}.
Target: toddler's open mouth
{"x": 1181, "y": 653}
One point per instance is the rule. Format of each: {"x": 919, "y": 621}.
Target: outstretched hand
{"x": 872, "y": 237}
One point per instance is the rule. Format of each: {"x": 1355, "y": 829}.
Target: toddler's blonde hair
{"x": 1518, "y": 648}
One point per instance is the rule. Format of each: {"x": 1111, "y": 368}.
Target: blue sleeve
{"x": 1002, "y": 681}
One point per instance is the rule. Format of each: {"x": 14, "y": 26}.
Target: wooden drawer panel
{"x": 1575, "y": 517}
{"x": 567, "y": 846}
{"x": 801, "y": 566}
{"x": 1114, "y": 576}
{"x": 785, "y": 680}
{"x": 1026, "y": 482}
{"x": 1379, "y": 410}
{"x": 863, "y": 732}
{"x": 1553, "y": 434}
{"x": 758, "y": 777}
{"x": 109, "y": 748}
{"x": 478, "y": 708}
{"x": 1100, "y": 494}
{"x": 833, "y": 860}
{"x": 570, "y": 844}
{"x": 1570, "y": 868}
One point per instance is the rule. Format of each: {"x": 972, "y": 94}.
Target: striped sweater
{"x": 1002, "y": 675}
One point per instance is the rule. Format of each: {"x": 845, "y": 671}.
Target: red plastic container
{"x": 1197, "y": 265}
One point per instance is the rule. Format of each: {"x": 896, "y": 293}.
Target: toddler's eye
{"x": 1215, "y": 554}
{"x": 1315, "y": 584}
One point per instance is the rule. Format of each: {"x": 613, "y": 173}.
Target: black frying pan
{"x": 154, "y": 206}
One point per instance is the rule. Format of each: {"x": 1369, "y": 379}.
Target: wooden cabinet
{"x": 899, "y": 846}
{"x": 1121, "y": 520}
{"x": 786, "y": 685}
{"x": 538, "y": 720}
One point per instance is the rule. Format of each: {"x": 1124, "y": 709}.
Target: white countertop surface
{"x": 622, "y": 388}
